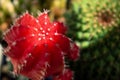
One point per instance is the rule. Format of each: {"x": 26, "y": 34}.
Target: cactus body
{"x": 95, "y": 26}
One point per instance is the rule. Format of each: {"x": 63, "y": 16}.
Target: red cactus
{"x": 37, "y": 47}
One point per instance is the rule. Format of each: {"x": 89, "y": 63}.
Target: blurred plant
{"x": 58, "y": 9}
{"x": 6, "y": 13}
{"x": 95, "y": 26}
{"x": 34, "y": 6}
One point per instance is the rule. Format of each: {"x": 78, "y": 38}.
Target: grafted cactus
{"x": 37, "y": 48}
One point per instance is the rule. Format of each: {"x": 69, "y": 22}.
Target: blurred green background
{"x": 93, "y": 24}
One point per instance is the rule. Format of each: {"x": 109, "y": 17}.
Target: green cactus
{"x": 95, "y": 26}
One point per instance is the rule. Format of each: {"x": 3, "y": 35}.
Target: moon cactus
{"x": 37, "y": 47}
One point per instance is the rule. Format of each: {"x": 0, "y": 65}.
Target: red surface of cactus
{"x": 37, "y": 47}
{"x": 66, "y": 75}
